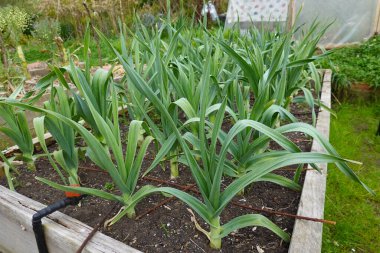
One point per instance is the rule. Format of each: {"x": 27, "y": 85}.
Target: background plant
{"x": 46, "y": 31}
{"x": 13, "y": 22}
{"x": 355, "y": 64}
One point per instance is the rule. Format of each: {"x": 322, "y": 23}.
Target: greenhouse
{"x": 351, "y": 21}
{"x": 189, "y": 126}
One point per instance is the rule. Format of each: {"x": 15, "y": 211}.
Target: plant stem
{"x": 62, "y": 50}
{"x": 4, "y": 57}
{"x": 28, "y": 159}
{"x": 241, "y": 171}
{"x": 21, "y": 55}
{"x": 31, "y": 166}
{"x": 174, "y": 172}
{"x": 241, "y": 192}
{"x": 131, "y": 212}
{"x": 215, "y": 229}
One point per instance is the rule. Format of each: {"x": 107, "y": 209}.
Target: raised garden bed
{"x": 169, "y": 227}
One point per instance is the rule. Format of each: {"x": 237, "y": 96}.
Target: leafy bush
{"x": 356, "y": 64}
{"x": 67, "y": 30}
{"x": 13, "y": 21}
{"x": 46, "y": 30}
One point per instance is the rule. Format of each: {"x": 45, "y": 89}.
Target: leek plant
{"x": 17, "y": 129}
{"x": 209, "y": 172}
{"x": 96, "y": 87}
{"x": 6, "y": 168}
{"x": 274, "y": 69}
{"x": 151, "y": 63}
{"x": 64, "y": 135}
{"x": 123, "y": 167}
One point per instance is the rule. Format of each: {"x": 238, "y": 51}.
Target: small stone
{"x": 28, "y": 184}
{"x": 259, "y": 249}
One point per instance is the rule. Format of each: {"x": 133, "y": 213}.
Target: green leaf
{"x": 252, "y": 220}
{"x": 82, "y": 190}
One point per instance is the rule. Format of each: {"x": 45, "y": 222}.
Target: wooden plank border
{"x": 307, "y": 235}
{"x": 63, "y": 233}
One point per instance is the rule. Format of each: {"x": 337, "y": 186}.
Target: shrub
{"x": 46, "y": 30}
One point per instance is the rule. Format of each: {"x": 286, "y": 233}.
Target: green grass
{"x": 356, "y": 63}
{"x": 36, "y": 51}
{"x": 356, "y": 212}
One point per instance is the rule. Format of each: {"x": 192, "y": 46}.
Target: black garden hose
{"x": 37, "y": 224}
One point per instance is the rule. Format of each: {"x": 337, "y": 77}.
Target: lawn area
{"x": 356, "y": 212}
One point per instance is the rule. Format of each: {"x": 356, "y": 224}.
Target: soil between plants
{"x": 169, "y": 228}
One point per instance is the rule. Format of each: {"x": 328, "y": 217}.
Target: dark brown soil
{"x": 169, "y": 228}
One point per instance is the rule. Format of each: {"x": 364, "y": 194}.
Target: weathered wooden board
{"x": 63, "y": 233}
{"x": 307, "y": 235}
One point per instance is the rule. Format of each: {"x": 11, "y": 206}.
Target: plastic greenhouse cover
{"x": 352, "y": 20}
